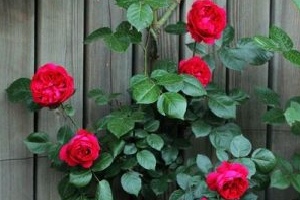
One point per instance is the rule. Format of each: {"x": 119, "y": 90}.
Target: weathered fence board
{"x": 286, "y": 83}
{"x": 60, "y": 27}
{"x": 17, "y": 52}
{"x": 60, "y": 40}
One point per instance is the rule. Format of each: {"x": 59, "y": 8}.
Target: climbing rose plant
{"x": 141, "y": 144}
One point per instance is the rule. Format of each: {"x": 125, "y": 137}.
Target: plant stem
{"x": 69, "y": 117}
{"x": 166, "y": 15}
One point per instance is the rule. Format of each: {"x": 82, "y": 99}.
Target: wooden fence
{"x": 33, "y": 32}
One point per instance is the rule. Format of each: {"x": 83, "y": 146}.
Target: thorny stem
{"x": 69, "y": 117}
{"x": 95, "y": 175}
{"x": 145, "y": 49}
{"x": 166, "y": 15}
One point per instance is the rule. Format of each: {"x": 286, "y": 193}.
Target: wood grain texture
{"x": 16, "y": 51}
{"x": 109, "y": 71}
{"x": 286, "y": 82}
{"x": 60, "y": 40}
{"x": 250, "y": 18}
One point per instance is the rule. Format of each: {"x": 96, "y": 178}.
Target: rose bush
{"x": 142, "y": 144}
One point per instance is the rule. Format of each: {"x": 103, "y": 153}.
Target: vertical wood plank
{"x": 60, "y": 40}
{"x": 16, "y": 51}
{"x": 104, "y": 69}
{"x": 286, "y": 82}
{"x": 109, "y": 71}
{"x": 250, "y": 18}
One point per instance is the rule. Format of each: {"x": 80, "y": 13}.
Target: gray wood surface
{"x": 60, "y": 27}
{"x": 16, "y": 51}
{"x": 60, "y": 40}
{"x": 286, "y": 83}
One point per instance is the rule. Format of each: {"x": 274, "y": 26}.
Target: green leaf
{"x": 250, "y": 196}
{"x": 198, "y": 48}
{"x": 128, "y": 32}
{"x": 163, "y": 77}
{"x": 176, "y": 29}
{"x": 126, "y": 3}
{"x": 131, "y": 183}
{"x": 264, "y": 160}
{"x": 296, "y": 128}
{"x": 239, "y": 96}
{"x": 130, "y": 149}
{"x": 279, "y": 180}
{"x": 80, "y": 178}
{"x": 97, "y": 34}
{"x": 200, "y": 128}
{"x": 157, "y": 3}
{"x": 140, "y": 15}
{"x": 266, "y": 43}
{"x": 103, "y": 191}
{"x": 169, "y": 155}
{"x": 240, "y": 146}
{"x": 120, "y": 126}
{"x": 228, "y": 35}
{"x": 146, "y": 159}
{"x": 37, "y": 142}
{"x": 297, "y": 3}
{"x": 155, "y": 141}
{"x": 293, "y": 56}
{"x": 249, "y": 164}
{"x": 221, "y": 137}
{"x": 204, "y": 163}
{"x": 222, "y": 106}
{"x": 210, "y": 60}
{"x": 64, "y": 134}
{"x": 117, "y": 147}
{"x": 183, "y": 180}
{"x": 172, "y": 105}
{"x": 292, "y": 113}
{"x": 192, "y": 87}
{"x": 159, "y": 186}
{"x": 129, "y": 164}
{"x": 117, "y": 42}
{"x": 246, "y": 52}
{"x": 222, "y": 155}
{"x": 152, "y": 125}
{"x": 296, "y": 161}
{"x": 165, "y": 64}
{"x": 177, "y": 195}
{"x": 19, "y": 90}
{"x": 268, "y": 96}
{"x": 274, "y": 116}
{"x": 144, "y": 90}
{"x": 296, "y": 182}
{"x": 281, "y": 37}
{"x": 229, "y": 58}
{"x": 105, "y": 161}
{"x": 69, "y": 110}
{"x": 65, "y": 189}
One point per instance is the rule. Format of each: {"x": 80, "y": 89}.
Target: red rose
{"x": 196, "y": 67}
{"x": 51, "y": 85}
{"x": 229, "y": 180}
{"x": 82, "y": 150}
{"x": 206, "y": 21}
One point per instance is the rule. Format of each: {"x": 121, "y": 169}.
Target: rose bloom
{"x": 196, "y": 67}
{"x": 82, "y": 149}
{"x": 229, "y": 180}
{"x": 206, "y": 21}
{"x": 51, "y": 85}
